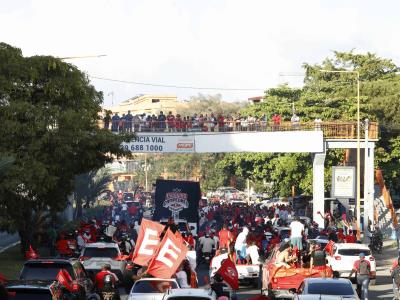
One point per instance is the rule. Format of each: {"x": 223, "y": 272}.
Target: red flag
{"x": 329, "y": 247}
{"x": 31, "y": 254}
{"x": 229, "y": 273}
{"x": 147, "y": 242}
{"x": 168, "y": 257}
{"x": 65, "y": 279}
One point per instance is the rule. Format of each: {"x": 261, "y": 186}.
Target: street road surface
{"x": 7, "y": 240}
{"x": 382, "y": 290}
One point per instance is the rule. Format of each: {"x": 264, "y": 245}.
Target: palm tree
{"x": 89, "y": 186}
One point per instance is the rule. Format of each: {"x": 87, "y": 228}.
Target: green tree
{"x": 331, "y": 97}
{"x": 207, "y": 104}
{"x": 89, "y": 186}
{"x": 50, "y": 113}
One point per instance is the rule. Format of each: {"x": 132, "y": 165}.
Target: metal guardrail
{"x": 331, "y": 130}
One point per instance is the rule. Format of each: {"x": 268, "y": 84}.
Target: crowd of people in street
{"x": 197, "y": 122}
{"x": 244, "y": 234}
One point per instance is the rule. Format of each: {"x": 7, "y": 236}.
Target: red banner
{"x": 65, "y": 279}
{"x": 147, "y": 242}
{"x": 329, "y": 248}
{"x": 168, "y": 257}
{"x": 229, "y": 273}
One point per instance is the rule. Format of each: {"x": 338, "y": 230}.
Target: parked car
{"x": 151, "y": 288}
{"x": 36, "y": 290}
{"x": 192, "y": 294}
{"x": 325, "y": 288}
{"x": 47, "y": 270}
{"x": 95, "y": 255}
{"x": 344, "y": 256}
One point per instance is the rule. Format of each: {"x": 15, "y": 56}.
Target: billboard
{"x": 177, "y": 199}
{"x": 343, "y": 182}
{"x": 215, "y": 142}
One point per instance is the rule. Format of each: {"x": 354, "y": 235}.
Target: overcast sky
{"x": 203, "y": 43}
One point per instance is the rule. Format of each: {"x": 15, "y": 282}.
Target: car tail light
{"x": 371, "y": 258}
{"x": 337, "y": 257}
{"x": 129, "y": 267}
{"x": 82, "y": 258}
{"x": 275, "y": 280}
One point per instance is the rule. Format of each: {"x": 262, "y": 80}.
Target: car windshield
{"x": 331, "y": 288}
{"x": 44, "y": 271}
{"x": 188, "y": 298}
{"x": 353, "y": 252}
{"x": 101, "y": 252}
{"x": 182, "y": 227}
{"x": 128, "y": 196}
{"x": 153, "y": 286}
{"x": 27, "y": 294}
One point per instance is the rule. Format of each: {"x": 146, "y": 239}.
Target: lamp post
{"x": 358, "y": 214}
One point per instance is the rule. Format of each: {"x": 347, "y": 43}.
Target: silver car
{"x": 326, "y": 288}
{"x": 152, "y": 288}
{"x": 95, "y": 255}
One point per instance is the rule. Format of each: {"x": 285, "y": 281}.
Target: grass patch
{"x": 11, "y": 262}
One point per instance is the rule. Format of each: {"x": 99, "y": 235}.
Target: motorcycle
{"x": 109, "y": 290}
{"x": 376, "y": 243}
{"x": 207, "y": 256}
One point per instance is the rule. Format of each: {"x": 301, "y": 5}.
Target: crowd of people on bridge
{"x": 197, "y": 122}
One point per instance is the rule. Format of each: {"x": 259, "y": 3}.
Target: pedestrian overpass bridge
{"x": 315, "y": 138}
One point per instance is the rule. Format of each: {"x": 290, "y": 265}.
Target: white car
{"x": 193, "y": 294}
{"x": 152, "y": 288}
{"x": 344, "y": 256}
{"x": 326, "y": 289}
{"x": 95, "y": 255}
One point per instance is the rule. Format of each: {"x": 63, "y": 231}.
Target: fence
{"x": 331, "y": 130}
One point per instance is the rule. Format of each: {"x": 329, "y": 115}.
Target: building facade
{"x": 146, "y": 104}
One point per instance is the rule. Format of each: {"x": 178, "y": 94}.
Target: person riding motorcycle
{"x": 105, "y": 282}
{"x": 207, "y": 245}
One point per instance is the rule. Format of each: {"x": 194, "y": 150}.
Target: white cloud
{"x": 231, "y": 43}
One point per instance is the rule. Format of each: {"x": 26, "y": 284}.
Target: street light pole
{"x": 358, "y": 168}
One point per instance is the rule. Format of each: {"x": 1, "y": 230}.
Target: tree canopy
{"x": 330, "y": 97}
{"x": 49, "y": 112}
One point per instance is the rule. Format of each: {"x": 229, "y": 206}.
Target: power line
{"x": 175, "y": 86}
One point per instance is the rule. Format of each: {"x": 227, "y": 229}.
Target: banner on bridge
{"x": 267, "y": 142}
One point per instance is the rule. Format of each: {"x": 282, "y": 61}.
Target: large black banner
{"x": 179, "y": 199}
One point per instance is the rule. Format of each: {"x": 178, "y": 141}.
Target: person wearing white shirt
{"x": 296, "y": 233}
{"x": 217, "y": 261}
{"x": 191, "y": 256}
{"x": 252, "y": 252}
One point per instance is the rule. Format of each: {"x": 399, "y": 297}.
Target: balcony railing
{"x": 331, "y": 130}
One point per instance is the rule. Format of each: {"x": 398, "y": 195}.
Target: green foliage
{"x": 49, "y": 112}
{"x": 90, "y": 185}
{"x": 207, "y": 104}
{"x": 330, "y": 97}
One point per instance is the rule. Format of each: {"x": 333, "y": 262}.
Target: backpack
{"x": 396, "y": 275}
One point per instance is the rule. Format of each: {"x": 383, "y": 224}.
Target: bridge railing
{"x": 331, "y": 130}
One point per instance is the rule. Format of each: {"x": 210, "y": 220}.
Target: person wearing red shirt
{"x": 99, "y": 279}
{"x": 341, "y": 235}
{"x": 171, "y": 122}
{"x": 62, "y": 246}
{"x": 351, "y": 238}
{"x": 225, "y": 237}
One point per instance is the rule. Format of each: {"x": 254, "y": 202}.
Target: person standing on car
{"x": 296, "y": 233}
{"x": 362, "y": 269}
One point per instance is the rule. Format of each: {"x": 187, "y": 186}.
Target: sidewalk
{"x": 383, "y": 288}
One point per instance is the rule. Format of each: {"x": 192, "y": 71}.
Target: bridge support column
{"x": 369, "y": 183}
{"x": 318, "y": 187}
